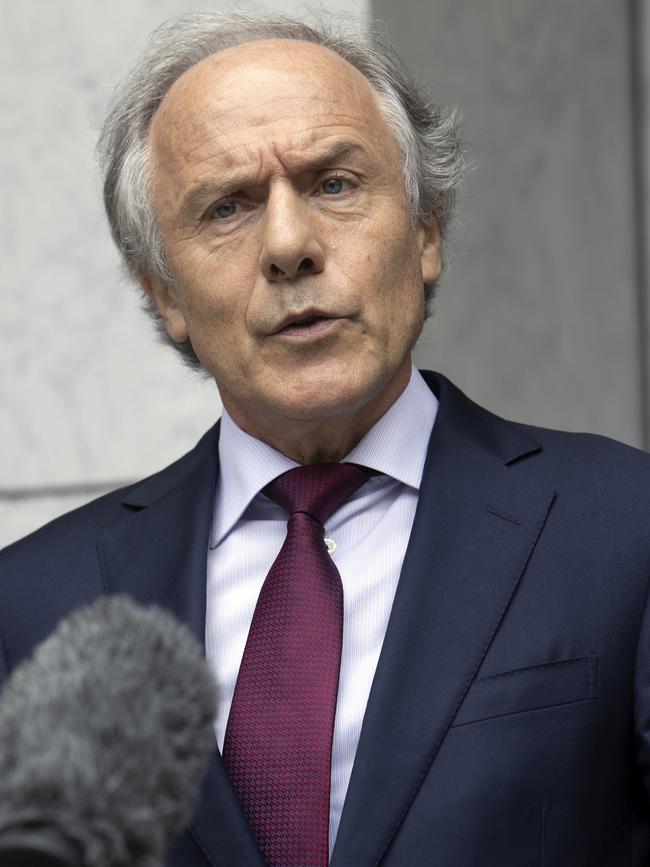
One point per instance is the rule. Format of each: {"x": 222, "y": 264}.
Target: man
{"x": 459, "y": 674}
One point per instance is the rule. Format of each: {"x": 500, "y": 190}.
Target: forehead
{"x": 287, "y": 93}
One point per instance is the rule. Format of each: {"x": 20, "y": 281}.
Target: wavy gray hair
{"x": 427, "y": 134}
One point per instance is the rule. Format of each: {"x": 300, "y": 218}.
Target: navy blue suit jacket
{"x": 508, "y": 723}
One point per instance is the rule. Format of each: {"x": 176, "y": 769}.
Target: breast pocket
{"x": 553, "y": 683}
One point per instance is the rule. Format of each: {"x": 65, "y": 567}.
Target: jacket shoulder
{"x": 567, "y": 461}
{"x": 57, "y": 568}
{"x": 594, "y": 455}
{"x": 79, "y": 527}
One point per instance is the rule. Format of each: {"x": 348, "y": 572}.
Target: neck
{"x": 317, "y": 440}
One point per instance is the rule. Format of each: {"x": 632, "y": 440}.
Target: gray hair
{"x": 427, "y": 134}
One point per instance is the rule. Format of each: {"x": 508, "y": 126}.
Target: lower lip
{"x": 319, "y": 328}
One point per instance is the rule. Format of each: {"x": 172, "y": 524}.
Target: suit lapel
{"x": 158, "y": 555}
{"x": 477, "y": 521}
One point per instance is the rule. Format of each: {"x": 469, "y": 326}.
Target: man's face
{"x": 298, "y": 274}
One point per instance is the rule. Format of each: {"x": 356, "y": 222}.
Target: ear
{"x": 429, "y": 246}
{"x": 164, "y": 296}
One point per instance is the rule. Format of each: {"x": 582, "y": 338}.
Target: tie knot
{"x": 318, "y": 489}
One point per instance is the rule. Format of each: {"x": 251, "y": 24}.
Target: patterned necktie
{"x": 278, "y": 742}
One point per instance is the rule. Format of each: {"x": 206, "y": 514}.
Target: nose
{"x": 291, "y": 248}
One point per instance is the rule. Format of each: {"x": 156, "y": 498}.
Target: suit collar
{"x": 203, "y": 456}
{"x": 463, "y": 424}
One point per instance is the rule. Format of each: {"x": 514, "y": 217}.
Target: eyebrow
{"x": 207, "y": 190}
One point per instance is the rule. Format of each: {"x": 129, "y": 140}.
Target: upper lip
{"x": 299, "y": 316}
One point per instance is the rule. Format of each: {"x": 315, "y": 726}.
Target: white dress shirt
{"x": 371, "y": 531}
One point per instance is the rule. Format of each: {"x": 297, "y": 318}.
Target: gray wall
{"x": 541, "y": 313}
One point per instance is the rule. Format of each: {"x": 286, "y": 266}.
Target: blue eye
{"x": 224, "y": 210}
{"x": 333, "y": 186}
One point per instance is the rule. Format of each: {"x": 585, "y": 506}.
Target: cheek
{"x": 398, "y": 274}
{"x": 218, "y": 286}
{"x": 402, "y": 301}
{"x": 388, "y": 244}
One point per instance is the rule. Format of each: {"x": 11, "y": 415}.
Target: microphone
{"x": 105, "y": 734}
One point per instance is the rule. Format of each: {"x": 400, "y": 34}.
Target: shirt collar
{"x": 397, "y": 444}
{"x": 247, "y": 465}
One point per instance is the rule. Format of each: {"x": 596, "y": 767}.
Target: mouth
{"x": 307, "y": 325}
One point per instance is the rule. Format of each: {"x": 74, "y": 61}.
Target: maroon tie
{"x": 278, "y": 742}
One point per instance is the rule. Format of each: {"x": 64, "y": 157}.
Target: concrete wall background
{"x": 540, "y": 316}
{"x": 542, "y": 313}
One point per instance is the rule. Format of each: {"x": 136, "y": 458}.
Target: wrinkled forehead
{"x": 261, "y": 82}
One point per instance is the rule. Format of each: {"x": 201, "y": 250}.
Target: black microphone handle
{"x": 38, "y": 847}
